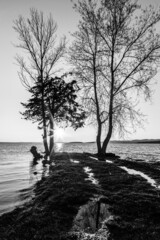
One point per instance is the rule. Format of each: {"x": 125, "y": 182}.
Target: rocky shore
{"x": 83, "y": 198}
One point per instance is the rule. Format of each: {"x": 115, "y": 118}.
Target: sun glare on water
{"x": 59, "y": 147}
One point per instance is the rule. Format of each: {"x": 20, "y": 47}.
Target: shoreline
{"x": 133, "y": 203}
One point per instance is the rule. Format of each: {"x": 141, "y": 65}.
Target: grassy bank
{"x": 133, "y": 203}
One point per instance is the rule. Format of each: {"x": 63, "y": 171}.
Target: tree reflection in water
{"x": 91, "y": 217}
{"x": 38, "y": 171}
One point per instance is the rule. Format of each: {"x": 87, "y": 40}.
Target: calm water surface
{"x": 17, "y": 171}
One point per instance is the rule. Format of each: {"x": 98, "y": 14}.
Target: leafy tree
{"x": 37, "y": 38}
{"x": 115, "y": 55}
{"x": 60, "y": 101}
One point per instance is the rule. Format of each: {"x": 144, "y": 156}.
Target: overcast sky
{"x": 12, "y": 126}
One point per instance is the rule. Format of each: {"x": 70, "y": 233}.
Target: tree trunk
{"x": 110, "y": 127}
{"x": 51, "y": 147}
{"x": 99, "y": 130}
{"x": 107, "y": 139}
{"x": 98, "y": 139}
{"x": 45, "y": 143}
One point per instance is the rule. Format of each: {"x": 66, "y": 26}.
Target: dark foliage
{"x": 60, "y": 100}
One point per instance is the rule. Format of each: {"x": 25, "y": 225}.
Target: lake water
{"x": 17, "y": 173}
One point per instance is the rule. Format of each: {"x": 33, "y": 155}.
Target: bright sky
{"x": 12, "y": 126}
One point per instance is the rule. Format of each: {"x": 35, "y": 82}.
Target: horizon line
{"x": 132, "y": 140}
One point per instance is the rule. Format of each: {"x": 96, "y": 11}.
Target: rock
{"x": 37, "y": 156}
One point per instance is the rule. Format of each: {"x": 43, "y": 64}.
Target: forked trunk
{"x": 106, "y": 141}
{"x": 110, "y": 127}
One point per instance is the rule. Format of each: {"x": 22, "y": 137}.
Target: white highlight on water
{"x": 135, "y": 172}
{"x": 90, "y": 175}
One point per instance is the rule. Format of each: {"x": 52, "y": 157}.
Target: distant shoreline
{"x": 144, "y": 141}
{"x": 137, "y": 141}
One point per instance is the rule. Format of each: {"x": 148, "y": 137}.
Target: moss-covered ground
{"x": 57, "y": 199}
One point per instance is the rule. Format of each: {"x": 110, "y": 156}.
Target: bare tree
{"x": 119, "y": 66}
{"x": 37, "y": 38}
{"x": 87, "y": 57}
